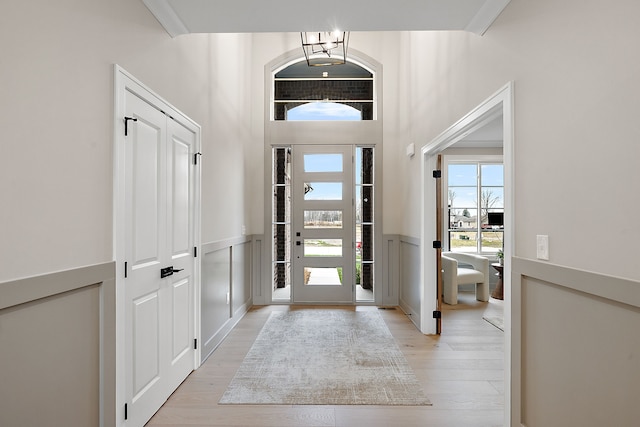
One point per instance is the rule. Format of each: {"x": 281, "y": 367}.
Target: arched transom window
{"x": 337, "y": 92}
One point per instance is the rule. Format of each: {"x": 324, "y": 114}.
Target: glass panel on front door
{"x": 322, "y": 247}
{"x": 323, "y": 162}
{"x": 323, "y": 276}
{"x": 322, "y": 219}
{"x": 323, "y": 191}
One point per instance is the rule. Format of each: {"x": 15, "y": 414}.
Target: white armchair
{"x": 452, "y": 275}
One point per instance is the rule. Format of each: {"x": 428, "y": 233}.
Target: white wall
{"x": 575, "y": 70}
{"x": 56, "y": 116}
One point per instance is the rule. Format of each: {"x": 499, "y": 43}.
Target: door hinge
{"x": 126, "y": 124}
{"x": 126, "y": 412}
{"x": 125, "y": 269}
{"x": 195, "y": 252}
{"x": 195, "y": 344}
{"x": 437, "y": 314}
{"x": 437, "y": 174}
{"x": 437, "y": 244}
{"x": 195, "y": 157}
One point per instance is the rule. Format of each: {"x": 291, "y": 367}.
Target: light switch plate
{"x": 542, "y": 247}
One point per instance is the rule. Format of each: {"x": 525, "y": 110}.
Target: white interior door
{"x": 323, "y": 232}
{"x": 159, "y": 235}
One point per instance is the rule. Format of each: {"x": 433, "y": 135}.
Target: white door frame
{"x": 123, "y": 82}
{"x": 499, "y": 102}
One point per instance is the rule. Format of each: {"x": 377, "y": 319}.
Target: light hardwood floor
{"x": 461, "y": 373}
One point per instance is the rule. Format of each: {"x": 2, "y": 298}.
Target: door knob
{"x": 175, "y": 270}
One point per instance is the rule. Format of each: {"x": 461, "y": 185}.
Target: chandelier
{"x": 325, "y": 48}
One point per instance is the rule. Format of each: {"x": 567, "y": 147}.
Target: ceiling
{"x": 489, "y": 135}
{"x": 255, "y": 16}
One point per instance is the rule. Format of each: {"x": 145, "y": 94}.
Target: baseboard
{"x": 412, "y": 314}
{"x": 216, "y": 339}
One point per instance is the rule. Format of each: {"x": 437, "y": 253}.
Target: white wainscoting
{"x": 226, "y": 293}
{"x": 575, "y": 347}
{"x": 390, "y": 270}
{"x": 57, "y": 349}
{"x": 402, "y": 267}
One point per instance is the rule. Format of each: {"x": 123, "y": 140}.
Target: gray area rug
{"x": 325, "y": 357}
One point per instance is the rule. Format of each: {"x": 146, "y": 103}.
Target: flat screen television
{"x": 495, "y": 218}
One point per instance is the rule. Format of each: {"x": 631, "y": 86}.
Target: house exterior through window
{"x": 475, "y": 206}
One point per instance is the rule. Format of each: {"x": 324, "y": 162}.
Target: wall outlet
{"x": 243, "y": 229}
{"x": 542, "y": 247}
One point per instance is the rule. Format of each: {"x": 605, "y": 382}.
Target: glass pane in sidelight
{"x": 364, "y": 281}
{"x": 364, "y": 165}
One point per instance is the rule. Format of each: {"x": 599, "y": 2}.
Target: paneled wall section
{"x": 576, "y": 347}
{"x": 57, "y": 349}
{"x": 226, "y": 292}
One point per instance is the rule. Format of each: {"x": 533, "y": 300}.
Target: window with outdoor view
{"x": 334, "y": 93}
{"x": 475, "y": 206}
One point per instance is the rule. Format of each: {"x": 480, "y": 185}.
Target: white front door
{"x": 159, "y": 234}
{"x": 323, "y": 218}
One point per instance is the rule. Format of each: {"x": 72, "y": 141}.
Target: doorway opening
{"x": 323, "y": 224}
{"x": 499, "y": 104}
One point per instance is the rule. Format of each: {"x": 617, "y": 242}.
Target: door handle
{"x": 165, "y": 272}
{"x": 168, "y": 271}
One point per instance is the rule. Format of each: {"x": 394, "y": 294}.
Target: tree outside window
{"x": 475, "y": 192}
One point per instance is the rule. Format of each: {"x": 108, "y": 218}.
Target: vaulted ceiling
{"x": 255, "y": 16}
